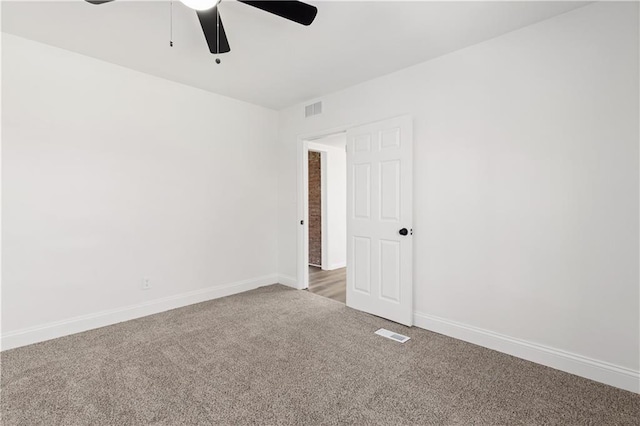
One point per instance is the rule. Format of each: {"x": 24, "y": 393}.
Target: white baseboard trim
{"x": 40, "y": 333}
{"x": 337, "y": 266}
{"x": 288, "y": 281}
{"x": 579, "y": 365}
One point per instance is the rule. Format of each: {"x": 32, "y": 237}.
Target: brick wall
{"x": 315, "y": 209}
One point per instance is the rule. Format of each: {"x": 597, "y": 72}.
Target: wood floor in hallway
{"x": 331, "y": 284}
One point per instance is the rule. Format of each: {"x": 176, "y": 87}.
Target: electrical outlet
{"x": 146, "y": 283}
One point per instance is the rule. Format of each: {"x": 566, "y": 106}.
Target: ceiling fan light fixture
{"x": 200, "y": 4}
{"x": 211, "y": 23}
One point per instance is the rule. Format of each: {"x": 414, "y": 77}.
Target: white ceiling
{"x": 273, "y": 62}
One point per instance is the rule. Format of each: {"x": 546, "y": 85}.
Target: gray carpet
{"x": 281, "y": 356}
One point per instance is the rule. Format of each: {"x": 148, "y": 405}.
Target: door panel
{"x": 389, "y": 270}
{"x": 390, "y": 190}
{"x": 362, "y": 264}
{"x": 362, "y": 193}
{"x": 379, "y": 190}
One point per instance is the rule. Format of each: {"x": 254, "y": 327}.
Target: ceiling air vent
{"x": 313, "y": 109}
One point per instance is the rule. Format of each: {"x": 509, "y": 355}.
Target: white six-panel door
{"x": 379, "y": 207}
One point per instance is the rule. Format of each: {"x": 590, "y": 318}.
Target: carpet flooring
{"x": 279, "y": 356}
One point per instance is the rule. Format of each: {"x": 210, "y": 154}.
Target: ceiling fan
{"x": 213, "y": 29}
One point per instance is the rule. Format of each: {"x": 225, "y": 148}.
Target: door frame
{"x": 302, "y": 251}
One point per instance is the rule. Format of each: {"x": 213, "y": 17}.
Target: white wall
{"x": 334, "y": 204}
{"x": 525, "y": 187}
{"x": 111, "y": 175}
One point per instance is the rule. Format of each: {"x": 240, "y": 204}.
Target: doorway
{"x": 379, "y": 229}
{"x": 327, "y": 216}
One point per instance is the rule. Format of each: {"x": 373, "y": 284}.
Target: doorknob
{"x": 403, "y": 231}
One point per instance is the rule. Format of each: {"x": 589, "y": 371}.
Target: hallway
{"x": 331, "y": 284}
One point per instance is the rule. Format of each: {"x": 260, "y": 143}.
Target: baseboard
{"x": 79, "y": 324}
{"x": 337, "y": 266}
{"x": 288, "y": 281}
{"x": 599, "y": 371}
{"x": 579, "y": 365}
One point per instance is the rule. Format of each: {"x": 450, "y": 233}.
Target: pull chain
{"x": 217, "y": 34}
{"x": 171, "y": 23}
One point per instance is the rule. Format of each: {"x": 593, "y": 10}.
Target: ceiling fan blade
{"x": 210, "y": 20}
{"x": 98, "y": 1}
{"x": 295, "y": 11}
